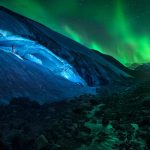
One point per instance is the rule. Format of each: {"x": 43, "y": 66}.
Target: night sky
{"x": 120, "y": 28}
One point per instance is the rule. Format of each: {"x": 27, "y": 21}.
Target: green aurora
{"x": 120, "y": 28}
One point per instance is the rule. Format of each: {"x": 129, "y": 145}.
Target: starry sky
{"x": 120, "y": 28}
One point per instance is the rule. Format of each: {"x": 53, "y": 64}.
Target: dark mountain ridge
{"x": 53, "y": 66}
{"x": 76, "y": 54}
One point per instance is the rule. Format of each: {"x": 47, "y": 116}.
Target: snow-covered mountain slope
{"x": 92, "y": 67}
{"x": 19, "y": 77}
{"x": 34, "y": 52}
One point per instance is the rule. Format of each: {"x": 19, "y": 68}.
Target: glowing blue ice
{"x": 26, "y": 49}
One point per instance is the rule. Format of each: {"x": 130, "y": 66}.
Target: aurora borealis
{"x": 120, "y": 28}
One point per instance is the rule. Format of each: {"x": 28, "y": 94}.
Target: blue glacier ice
{"x": 26, "y": 49}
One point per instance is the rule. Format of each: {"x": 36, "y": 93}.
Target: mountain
{"x": 143, "y": 71}
{"x": 143, "y": 67}
{"x": 39, "y": 62}
{"x": 117, "y": 63}
{"x": 20, "y": 78}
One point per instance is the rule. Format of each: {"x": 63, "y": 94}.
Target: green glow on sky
{"x": 96, "y": 46}
{"x": 119, "y": 28}
{"x": 72, "y": 34}
{"x": 138, "y": 48}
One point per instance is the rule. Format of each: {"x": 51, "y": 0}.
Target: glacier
{"x": 26, "y": 49}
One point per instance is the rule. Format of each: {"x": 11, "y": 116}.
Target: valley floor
{"x": 116, "y": 120}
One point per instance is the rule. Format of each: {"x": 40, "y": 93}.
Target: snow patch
{"x": 33, "y": 59}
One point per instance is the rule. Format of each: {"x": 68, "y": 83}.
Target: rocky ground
{"x": 116, "y": 119}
